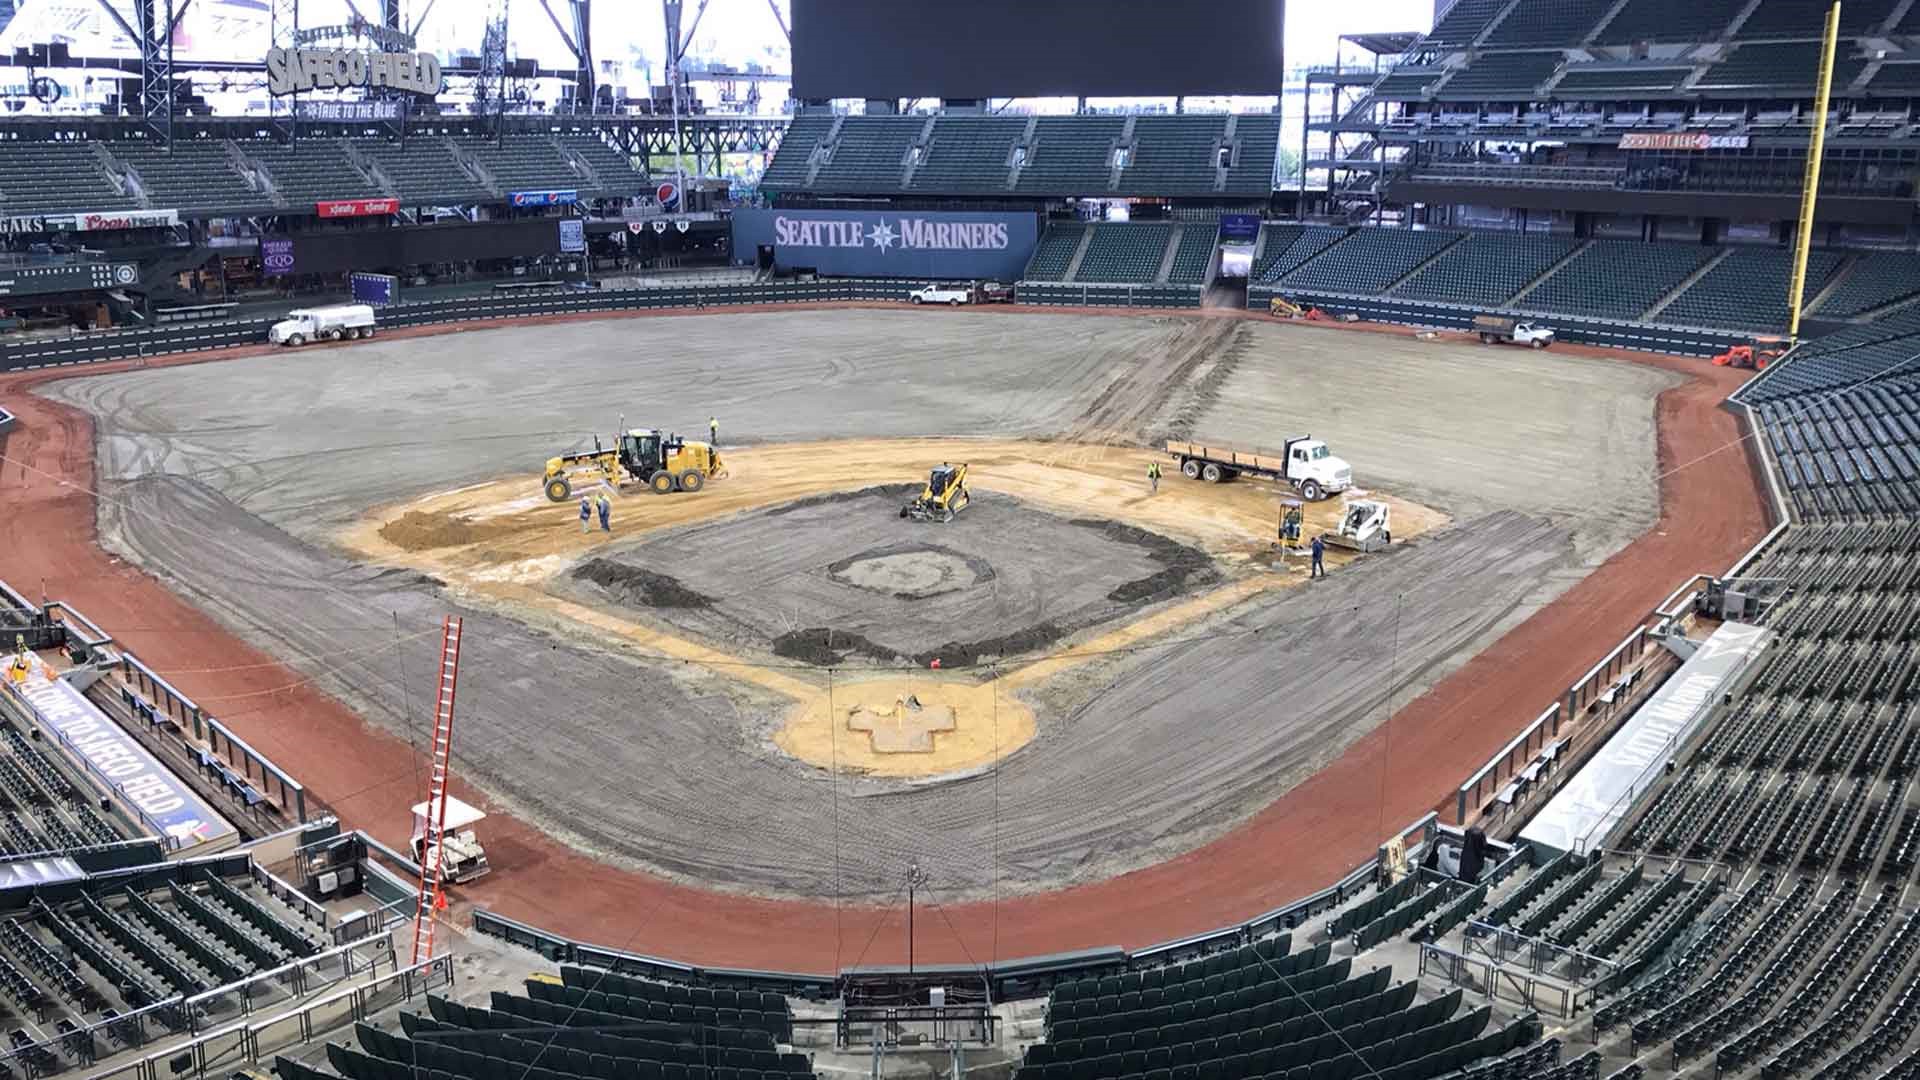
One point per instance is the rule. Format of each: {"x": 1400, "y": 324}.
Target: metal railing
{"x": 1508, "y": 760}
{"x": 183, "y": 710}
{"x": 167, "y": 1020}
{"x": 226, "y": 1049}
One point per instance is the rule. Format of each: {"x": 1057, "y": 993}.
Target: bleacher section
{"x": 1066, "y": 155}
{"x": 1256, "y": 157}
{"x": 1190, "y": 259}
{"x": 1370, "y": 261}
{"x": 1809, "y": 21}
{"x": 1290, "y": 246}
{"x": 85, "y": 965}
{"x": 524, "y": 164}
{"x": 1174, "y": 155}
{"x": 613, "y": 167}
{"x": 1124, "y": 253}
{"x": 1660, "y": 20}
{"x": 424, "y": 172}
{"x": 1487, "y": 268}
{"x": 1747, "y": 289}
{"x": 41, "y": 811}
{"x": 968, "y": 155}
{"x": 310, "y": 170}
{"x": 1054, "y": 253}
{"x": 1503, "y": 75}
{"x": 1070, "y": 154}
{"x": 586, "y": 1024}
{"x": 1464, "y": 21}
{"x": 791, "y": 162}
{"x": 1876, "y": 279}
{"x": 1563, "y": 22}
{"x": 869, "y": 155}
{"x": 1617, "y": 279}
{"x": 45, "y": 177}
{"x": 192, "y": 176}
{"x": 1786, "y": 68}
{"x": 1844, "y": 358}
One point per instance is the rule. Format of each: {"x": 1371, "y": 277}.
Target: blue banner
{"x": 164, "y": 802}
{"x": 544, "y": 198}
{"x": 1236, "y": 228}
{"x": 573, "y": 236}
{"x": 890, "y": 243}
{"x": 380, "y": 290}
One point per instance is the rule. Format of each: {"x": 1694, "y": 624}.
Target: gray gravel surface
{"x": 236, "y": 473}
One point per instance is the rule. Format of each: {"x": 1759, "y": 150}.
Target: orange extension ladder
{"x": 431, "y": 899}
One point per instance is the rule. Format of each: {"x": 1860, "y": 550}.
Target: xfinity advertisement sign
{"x": 888, "y": 243}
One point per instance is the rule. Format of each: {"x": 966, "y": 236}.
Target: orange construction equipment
{"x": 431, "y": 899}
{"x": 1756, "y": 355}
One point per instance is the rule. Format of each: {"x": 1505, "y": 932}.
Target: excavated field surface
{"x": 1000, "y": 580}
{"x": 231, "y": 481}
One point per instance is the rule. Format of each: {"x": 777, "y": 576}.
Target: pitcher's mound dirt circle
{"x": 841, "y": 579}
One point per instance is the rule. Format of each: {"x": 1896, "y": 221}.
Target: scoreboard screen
{"x": 1035, "y": 48}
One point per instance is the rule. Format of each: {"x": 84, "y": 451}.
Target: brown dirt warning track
{"x": 1711, "y": 510}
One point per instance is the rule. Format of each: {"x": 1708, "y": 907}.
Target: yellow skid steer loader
{"x": 944, "y": 496}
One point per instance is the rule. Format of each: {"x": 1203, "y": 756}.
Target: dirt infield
{"x": 1709, "y": 512}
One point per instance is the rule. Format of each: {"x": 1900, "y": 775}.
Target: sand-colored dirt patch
{"x": 870, "y": 727}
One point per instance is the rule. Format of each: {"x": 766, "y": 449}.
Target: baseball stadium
{"x": 1030, "y": 541}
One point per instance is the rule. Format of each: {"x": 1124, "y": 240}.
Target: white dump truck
{"x": 1304, "y": 463}
{"x": 335, "y": 323}
{"x": 1492, "y": 328}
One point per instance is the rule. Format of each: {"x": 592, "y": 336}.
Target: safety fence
{"x": 1053, "y": 294}
{"x": 1616, "y": 333}
{"x": 1007, "y": 979}
{"x": 106, "y": 345}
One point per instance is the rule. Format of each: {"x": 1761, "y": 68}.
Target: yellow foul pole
{"x": 1810, "y": 186}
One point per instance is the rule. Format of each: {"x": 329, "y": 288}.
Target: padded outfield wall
{"x": 890, "y": 243}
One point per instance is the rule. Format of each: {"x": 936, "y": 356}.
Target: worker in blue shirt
{"x": 1319, "y": 546}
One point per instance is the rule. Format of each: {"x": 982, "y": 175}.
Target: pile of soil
{"x": 636, "y": 587}
{"x": 905, "y": 491}
{"x": 1182, "y": 568}
{"x": 958, "y": 654}
{"x": 827, "y": 647}
{"x": 417, "y": 530}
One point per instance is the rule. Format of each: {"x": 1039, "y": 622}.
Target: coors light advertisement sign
{"x": 888, "y": 243}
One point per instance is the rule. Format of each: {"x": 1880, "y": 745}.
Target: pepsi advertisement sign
{"x": 544, "y": 198}
{"x": 667, "y": 195}
{"x": 890, "y": 243}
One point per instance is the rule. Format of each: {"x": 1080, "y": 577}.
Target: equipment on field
{"x": 1756, "y": 354}
{"x": 665, "y": 463}
{"x": 1365, "y": 526}
{"x": 1287, "y": 309}
{"x": 334, "y": 323}
{"x": 1290, "y": 522}
{"x": 1303, "y": 463}
{"x": 458, "y": 853}
{"x": 1492, "y": 328}
{"x": 944, "y": 496}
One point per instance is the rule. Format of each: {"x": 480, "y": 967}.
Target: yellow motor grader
{"x": 665, "y": 463}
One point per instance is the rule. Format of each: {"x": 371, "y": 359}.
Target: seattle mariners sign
{"x": 886, "y": 243}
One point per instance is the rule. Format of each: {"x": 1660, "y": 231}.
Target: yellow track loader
{"x": 944, "y": 496}
{"x": 665, "y": 463}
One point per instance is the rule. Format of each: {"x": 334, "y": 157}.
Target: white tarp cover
{"x": 1594, "y": 801}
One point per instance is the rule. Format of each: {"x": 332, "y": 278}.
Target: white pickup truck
{"x": 987, "y": 292}
{"x": 323, "y": 323}
{"x": 1492, "y": 328}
